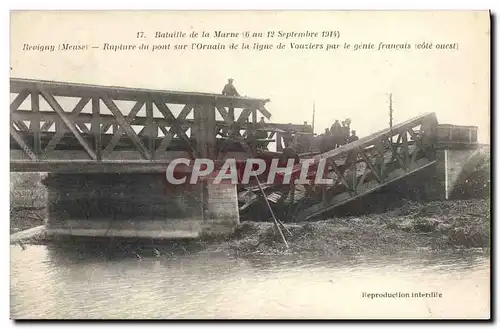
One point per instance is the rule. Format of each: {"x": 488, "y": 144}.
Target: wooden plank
{"x": 58, "y": 109}
{"x": 124, "y": 124}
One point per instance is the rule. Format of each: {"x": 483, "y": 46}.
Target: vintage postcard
{"x": 250, "y": 165}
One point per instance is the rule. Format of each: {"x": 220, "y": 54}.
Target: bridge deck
{"x": 367, "y": 165}
{"x": 55, "y": 122}
{"x": 68, "y": 89}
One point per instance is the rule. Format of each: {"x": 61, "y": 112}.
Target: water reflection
{"x": 48, "y": 283}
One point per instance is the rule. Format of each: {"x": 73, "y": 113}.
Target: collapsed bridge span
{"x": 106, "y": 150}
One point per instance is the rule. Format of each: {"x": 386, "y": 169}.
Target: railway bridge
{"x": 106, "y": 149}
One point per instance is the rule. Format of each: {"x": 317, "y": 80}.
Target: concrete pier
{"x": 136, "y": 205}
{"x": 457, "y": 154}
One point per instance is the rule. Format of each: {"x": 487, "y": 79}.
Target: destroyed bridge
{"x": 105, "y": 151}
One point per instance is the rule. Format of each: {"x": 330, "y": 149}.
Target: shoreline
{"x": 435, "y": 226}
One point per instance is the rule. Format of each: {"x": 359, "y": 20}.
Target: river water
{"x": 50, "y": 284}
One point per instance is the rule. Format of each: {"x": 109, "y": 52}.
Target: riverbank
{"x": 437, "y": 225}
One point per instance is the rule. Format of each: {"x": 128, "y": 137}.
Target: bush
{"x": 26, "y": 191}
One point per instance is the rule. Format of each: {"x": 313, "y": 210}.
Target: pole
{"x": 272, "y": 213}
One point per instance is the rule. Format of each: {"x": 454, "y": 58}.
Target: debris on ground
{"x": 436, "y": 225}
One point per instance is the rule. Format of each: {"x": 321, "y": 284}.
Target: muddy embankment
{"x": 432, "y": 225}
{"x": 437, "y": 225}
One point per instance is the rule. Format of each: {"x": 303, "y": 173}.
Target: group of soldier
{"x": 337, "y": 135}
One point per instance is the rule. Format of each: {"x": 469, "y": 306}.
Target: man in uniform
{"x": 325, "y": 141}
{"x": 260, "y": 133}
{"x": 230, "y": 90}
{"x": 353, "y": 137}
{"x": 336, "y": 132}
{"x": 288, "y": 136}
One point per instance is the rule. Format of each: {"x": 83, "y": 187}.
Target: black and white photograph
{"x": 247, "y": 165}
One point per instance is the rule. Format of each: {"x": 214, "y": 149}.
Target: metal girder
{"x": 67, "y": 89}
{"x": 52, "y": 133}
{"x": 370, "y": 164}
{"x": 361, "y": 190}
{"x": 67, "y": 122}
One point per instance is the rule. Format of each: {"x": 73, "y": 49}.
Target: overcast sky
{"x": 454, "y": 83}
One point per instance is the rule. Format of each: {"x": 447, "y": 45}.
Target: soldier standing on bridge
{"x": 304, "y": 139}
{"x": 288, "y": 136}
{"x": 230, "y": 90}
{"x": 325, "y": 141}
{"x": 336, "y": 132}
{"x": 344, "y": 135}
{"x": 353, "y": 137}
{"x": 261, "y": 134}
